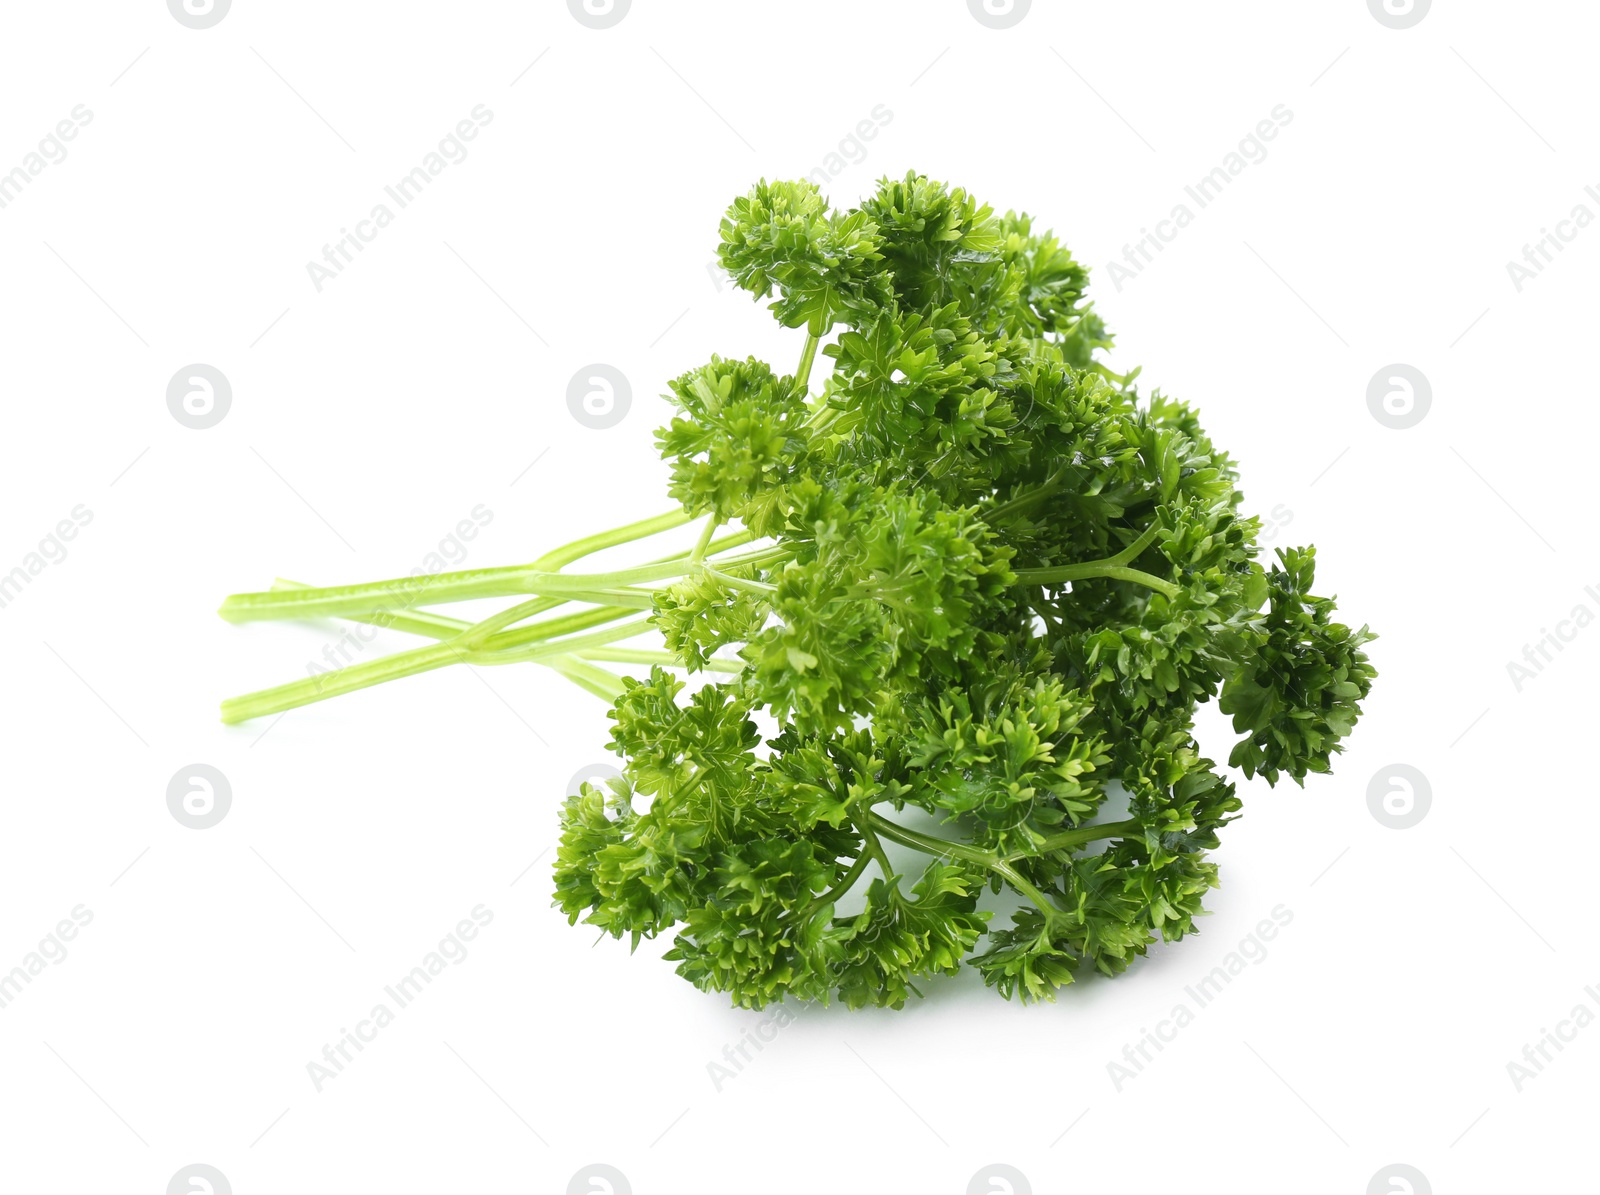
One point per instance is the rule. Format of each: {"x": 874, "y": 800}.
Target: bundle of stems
{"x": 567, "y": 641}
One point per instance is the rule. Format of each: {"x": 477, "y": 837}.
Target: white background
{"x": 430, "y": 376}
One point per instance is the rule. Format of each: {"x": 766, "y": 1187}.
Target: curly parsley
{"x": 972, "y": 573}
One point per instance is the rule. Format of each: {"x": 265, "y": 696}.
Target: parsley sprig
{"x": 972, "y": 576}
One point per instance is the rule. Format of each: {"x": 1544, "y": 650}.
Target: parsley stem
{"x": 802, "y": 373}
{"x": 748, "y": 586}
{"x": 1039, "y": 900}
{"x": 613, "y": 588}
{"x": 700, "y": 545}
{"x": 1022, "y": 500}
{"x": 1096, "y": 568}
{"x": 631, "y": 655}
{"x": 579, "y": 548}
{"x": 874, "y": 847}
{"x": 844, "y": 885}
{"x": 605, "y": 685}
{"x": 1131, "y": 553}
{"x": 507, "y": 647}
{"x": 955, "y": 850}
{"x": 1069, "y": 839}
{"x": 414, "y": 622}
{"x": 928, "y": 844}
{"x": 393, "y": 604}
{"x": 556, "y": 647}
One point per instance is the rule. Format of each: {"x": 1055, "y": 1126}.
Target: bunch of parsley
{"x": 972, "y": 575}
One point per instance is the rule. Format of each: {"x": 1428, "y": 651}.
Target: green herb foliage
{"x": 973, "y": 579}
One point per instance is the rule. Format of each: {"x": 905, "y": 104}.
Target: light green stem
{"x": 543, "y": 651}
{"x": 526, "y": 643}
{"x": 578, "y": 549}
{"x": 748, "y": 586}
{"x": 605, "y": 685}
{"x": 808, "y": 354}
{"x": 630, "y": 655}
{"x": 956, "y": 850}
{"x": 704, "y": 542}
{"x": 1071, "y": 839}
{"x": 926, "y": 843}
{"x": 393, "y": 604}
{"x": 403, "y": 593}
{"x": 1096, "y": 568}
{"x": 415, "y": 622}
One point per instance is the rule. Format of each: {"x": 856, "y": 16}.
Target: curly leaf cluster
{"x": 996, "y": 582}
